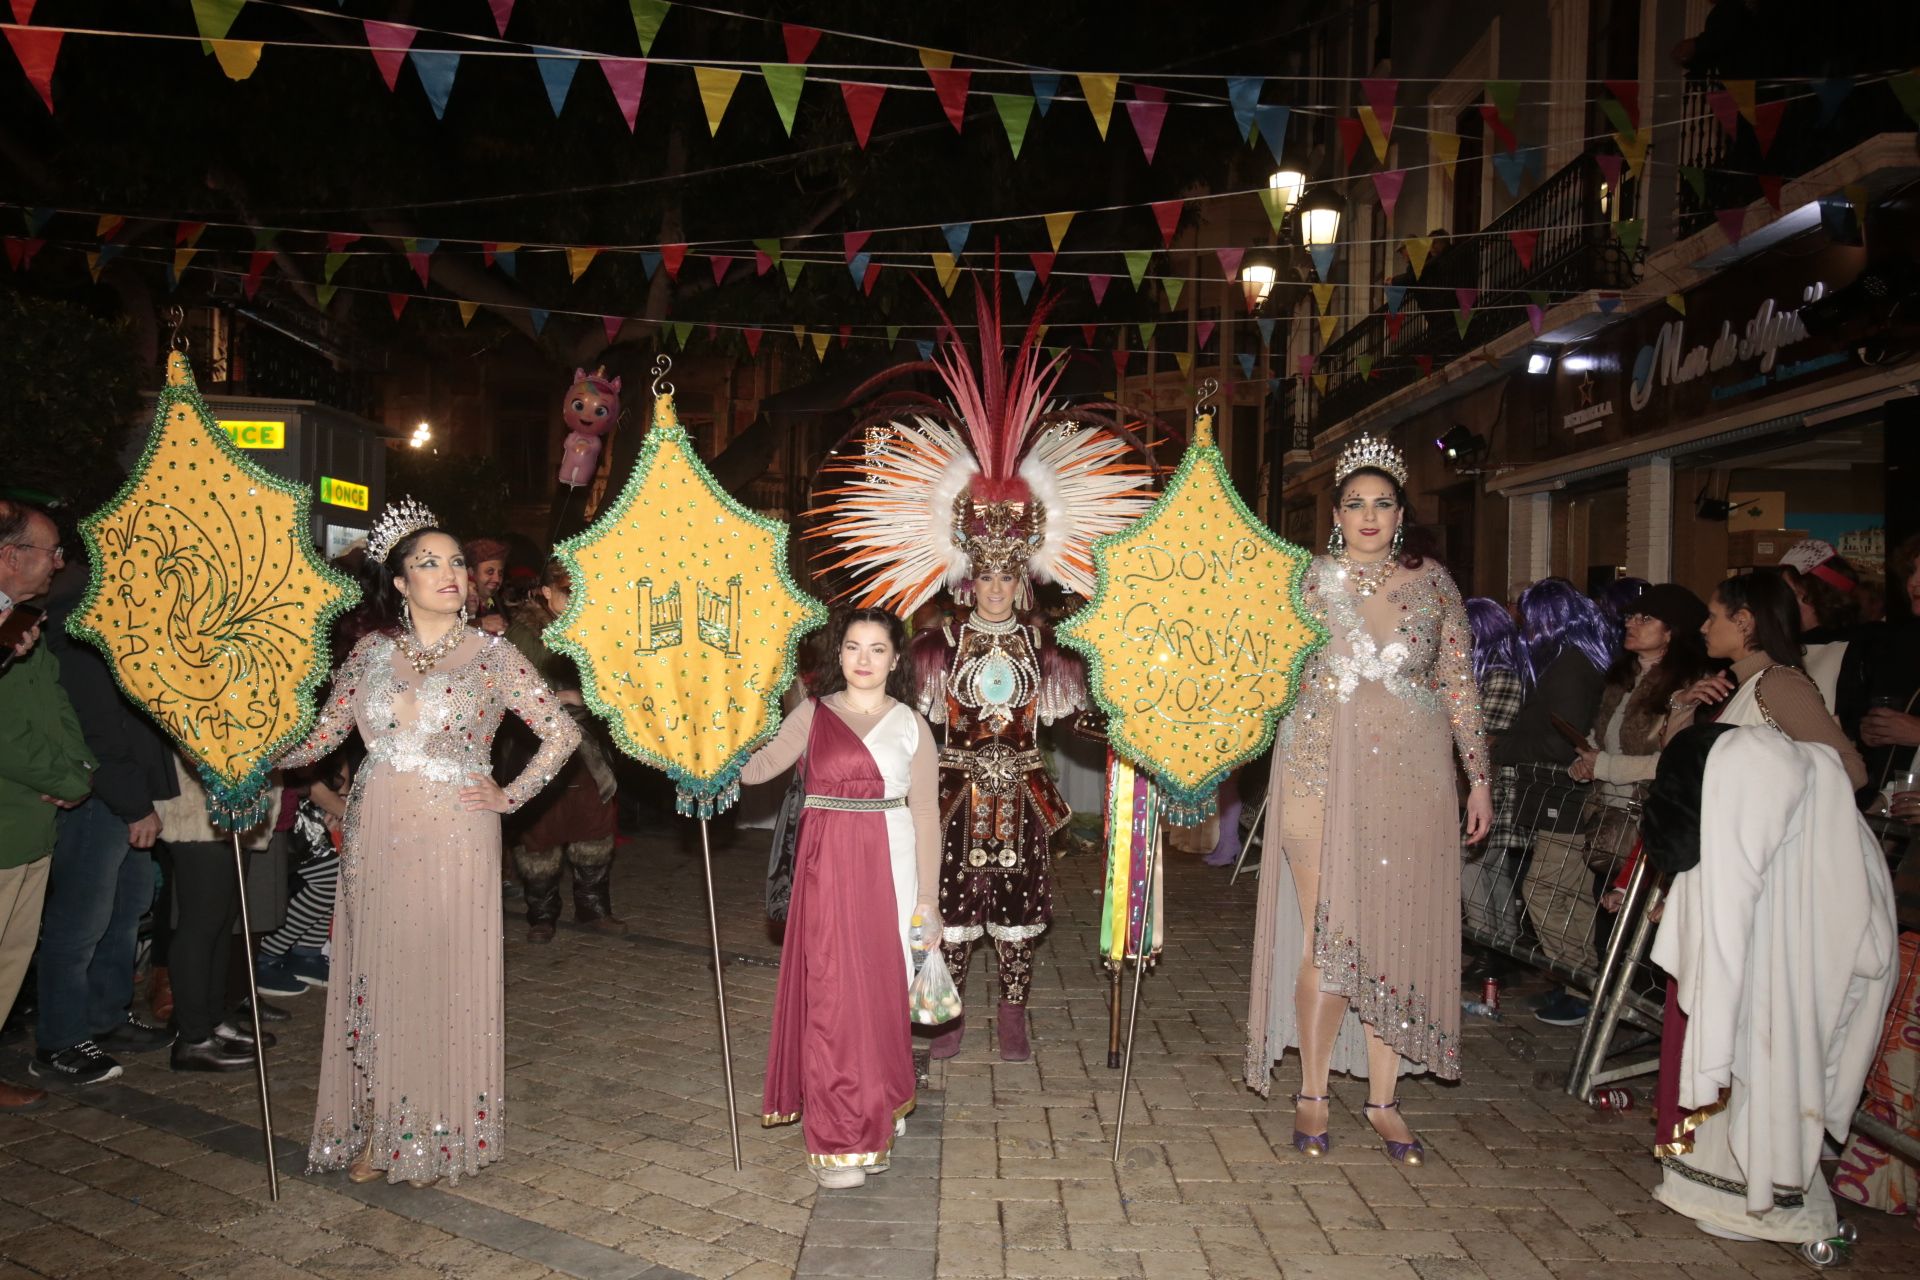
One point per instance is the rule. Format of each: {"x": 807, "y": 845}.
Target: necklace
{"x": 846, "y": 700}
{"x": 423, "y": 657}
{"x": 1365, "y": 578}
{"x": 1005, "y": 627}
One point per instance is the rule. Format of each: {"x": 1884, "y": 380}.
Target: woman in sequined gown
{"x": 1357, "y": 946}
{"x": 413, "y": 1064}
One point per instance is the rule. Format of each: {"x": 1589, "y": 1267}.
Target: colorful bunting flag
{"x": 956, "y": 234}
{"x": 1098, "y": 283}
{"x": 1351, "y": 132}
{"x": 1148, "y": 111}
{"x": 649, "y": 262}
{"x": 1099, "y": 92}
{"x": 1230, "y": 260}
{"x": 1376, "y": 134}
{"x": 1742, "y": 92}
{"x": 721, "y": 263}
{"x": 950, "y": 87}
{"x": 1394, "y": 320}
{"x": 1272, "y": 123}
{"x": 1678, "y": 302}
{"x": 1016, "y": 112}
{"x": 1770, "y": 188}
{"x": 716, "y": 91}
{"x": 627, "y": 77}
{"x": 857, "y": 266}
{"x": 863, "y": 102}
{"x": 502, "y": 11}
{"x": 1524, "y": 243}
{"x": 1634, "y": 150}
{"x": 389, "y": 43}
{"x": 1167, "y": 214}
{"x": 1243, "y": 94}
{"x": 1396, "y": 295}
{"x": 1274, "y": 203}
{"x": 1023, "y": 281}
{"x": 1057, "y": 224}
{"x": 612, "y": 326}
{"x": 1185, "y": 360}
{"x": 1609, "y": 168}
{"x": 1322, "y": 297}
{"x": 257, "y": 263}
{"x": 820, "y": 343}
{"x": 1042, "y": 265}
{"x": 579, "y": 258}
{"x": 1137, "y": 260}
{"x": 1304, "y": 363}
{"x": 1627, "y": 94}
{"x": 1322, "y": 257}
{"x": 647, "y": 17}
{"x": 238, "y": 58}
{"x": 946, "y": 269}
{"x": 214, "y": 18}
{"x": 1173, "y": 286}
{"x": 419, "y": 252}
{"x": 1417, "y": 247}
{"x": 1726, "y": 111}
{"x": 1364, "y": 363}
{"x": 1147, "y": 329}
{"x": 557, "y": 70}
{"x": 1696, "y": 179}
{"x": 466, "y": 312}
{"x": 1627, "y": 231}
{"x": 1265, "y": 324}
{"x": 784, "y": 82}
{"x": 800, "y": 41}
{"x": 1536, "y": 317}
{"x": 1465, "y": 296}
{"x": 1733, "y": 223}
{"x": 1327, "y": 325}
{"x": 1501, "y": 126}
{"x": 672, "y": 255}
{"x": 1425, "y": 365}
{"x": 1387, "y": 184}
{"x": 1446, "y": 149}
{"x": 1046, "y": 87}
{"x": 396, "y": 303}
{"x": 791, "y": 268}
{"x": 1831, "y": 92}
{"x": 1202, "y": 332}
{"x": 436, "y": 69}
{"x": 753, "y": 334}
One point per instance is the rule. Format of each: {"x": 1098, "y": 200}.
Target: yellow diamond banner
{"x": 209, "y": 600}
{"x": 1195, "y": 635}
{"x": 683, "y": 620}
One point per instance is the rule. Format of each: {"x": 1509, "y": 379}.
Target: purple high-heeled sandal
{"x": 1407, "y": 1153}
{"x": 1310, "y": 1144}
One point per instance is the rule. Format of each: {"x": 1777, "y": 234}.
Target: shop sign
{"x": 1755, "y": 349}
{"x": 343, "y": 493}
{"x": 255, "y": 435}
{"x": 1742, "y": 338}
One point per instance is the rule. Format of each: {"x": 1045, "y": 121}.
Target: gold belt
{"x": 854, "y": 804}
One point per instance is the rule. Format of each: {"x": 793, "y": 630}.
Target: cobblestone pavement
{"x": 619, "y": 1161}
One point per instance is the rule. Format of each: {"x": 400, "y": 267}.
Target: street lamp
{"x": 422, "y": 436}
{"x": 1257, "y": 278}
{"x": 1320, "y": 218}
{"x": 1289, "y": 184}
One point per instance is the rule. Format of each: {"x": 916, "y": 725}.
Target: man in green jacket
{"x": 44, "y": 763}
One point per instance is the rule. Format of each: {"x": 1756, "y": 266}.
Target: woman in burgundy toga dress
{"x": 840, "y": 1060}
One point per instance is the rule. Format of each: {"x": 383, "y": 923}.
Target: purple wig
{"x": 1496, "y": 642}
{"x": 1554, "y": 617}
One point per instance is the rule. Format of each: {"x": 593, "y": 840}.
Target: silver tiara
{"x": 396, "y": 522}
{"x": 1367, "y": 452}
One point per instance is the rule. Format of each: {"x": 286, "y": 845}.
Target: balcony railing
{"x": 1716, "y": 170}
{"x": 1575, "y": 250}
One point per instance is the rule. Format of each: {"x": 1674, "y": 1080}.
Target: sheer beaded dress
{"x": 414, "y": 1054}
{"x": 1364, "y": 783}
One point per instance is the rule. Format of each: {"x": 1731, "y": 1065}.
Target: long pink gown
{"x": 414, "y": 1060}
{"x": 840, "y": 1059}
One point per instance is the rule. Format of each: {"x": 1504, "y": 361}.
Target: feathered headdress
{"x": 923, "y": 494}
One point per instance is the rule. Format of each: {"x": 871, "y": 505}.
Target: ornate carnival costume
{"x": 1364, "y": 810}
{"x": 924, "y": 495}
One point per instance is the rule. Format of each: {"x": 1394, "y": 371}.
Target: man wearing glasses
{"x": 44, "y": 762}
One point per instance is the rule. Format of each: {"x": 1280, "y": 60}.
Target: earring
{"x": 1399, "y": 539}
{"x": 406, "y": 614}
{"x": 1336, "y": 541}
{"x": 463, "y": 613}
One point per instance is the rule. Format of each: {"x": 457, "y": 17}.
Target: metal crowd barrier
{"x": 1537, "y": 901}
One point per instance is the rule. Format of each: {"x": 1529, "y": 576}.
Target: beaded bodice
{"x": 441, "y": 723}
{"x": 1410, "y": 641}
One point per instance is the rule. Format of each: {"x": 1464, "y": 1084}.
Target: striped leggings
{"x": 309, "y": 919}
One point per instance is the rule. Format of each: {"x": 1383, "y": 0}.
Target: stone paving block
{"x": 1547, "y": 1237}
{"x": 1503, "y": 1256}
{"x": 1385, "y": 1243}
{"x": 289, "y": 1240}
{"x": 127, "y": 1269}
{"x": 1338, "y": 1208}
{"x": 176, "y": 1244}
{"x": 863, "y": 1263}
{"x": 763, "y": 1243}
{"x": 1030, "y": 1224}
{"x": 1047, "y": 1264}
{"x": 358, "y": 1262}
{"x": 1448, "y": 1269}
{"x": 470, "y": 1261}
{"x": 708, "y": 1261}
{"x": 54, "y": 1249}
{"x": 388, "y": 1232}
{"x": 1347, "y": 1267}
{"x": 251, "y": 1266}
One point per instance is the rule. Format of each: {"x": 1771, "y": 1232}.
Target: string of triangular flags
{"x": 393, "y": 46}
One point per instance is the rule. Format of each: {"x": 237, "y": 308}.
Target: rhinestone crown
{"x": 1368, "y": 452}
{"x": 396, "y": 522}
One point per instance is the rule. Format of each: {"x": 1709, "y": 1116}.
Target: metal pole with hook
{"x": 720, "y": 994}
{"x": 1148, "y": 924}
{"x": 253, "y": 1007}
